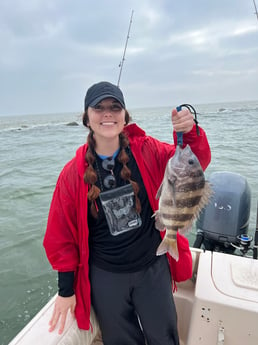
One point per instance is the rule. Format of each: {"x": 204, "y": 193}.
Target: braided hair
{"x": 90, "y": 175}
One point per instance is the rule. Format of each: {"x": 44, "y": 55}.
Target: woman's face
{"x": 106, "y": 119}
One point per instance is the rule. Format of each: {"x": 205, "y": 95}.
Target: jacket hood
{"x": 132, "y": 130}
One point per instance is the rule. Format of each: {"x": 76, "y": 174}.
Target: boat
{"x": 219, "y": 304}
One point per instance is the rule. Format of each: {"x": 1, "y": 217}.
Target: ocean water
{"x": 33, "y": 150}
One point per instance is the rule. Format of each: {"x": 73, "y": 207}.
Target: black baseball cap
{"x": 97, "y": 92}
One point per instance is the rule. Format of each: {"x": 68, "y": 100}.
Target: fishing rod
{"x": 256, "y": 237}
{"x": 123, "y": 58}
{"x": 255, "y": 9}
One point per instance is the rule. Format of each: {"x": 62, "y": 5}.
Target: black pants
{"x": 120, "y": 300}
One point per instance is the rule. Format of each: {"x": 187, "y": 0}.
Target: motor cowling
{"x": 226, "y": 217}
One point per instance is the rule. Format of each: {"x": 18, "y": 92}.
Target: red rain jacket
{"x": 66, "y": 237}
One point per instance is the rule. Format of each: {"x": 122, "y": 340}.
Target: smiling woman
{"x": 101, "y": 235}
{"x": 105, "y": 116}
{"x": 106, "y": 120}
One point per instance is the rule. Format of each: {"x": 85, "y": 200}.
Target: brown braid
{"x": 90, "y": 175}
{"x": 126, "y": 172}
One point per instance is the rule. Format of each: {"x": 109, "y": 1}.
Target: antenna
{"x": 255, "y": 9}
{"x": 123, "y": 58}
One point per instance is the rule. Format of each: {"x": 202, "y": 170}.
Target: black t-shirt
{"x": 129, "y": 251}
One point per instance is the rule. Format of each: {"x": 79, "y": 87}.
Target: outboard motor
{"x": 223, "y": 223}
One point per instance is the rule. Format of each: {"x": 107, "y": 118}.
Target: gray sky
{"x": 178, "y": 51}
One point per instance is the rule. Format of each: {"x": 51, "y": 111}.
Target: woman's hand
{"x": 61, "y": 308}
{"x": 182, "y": 121}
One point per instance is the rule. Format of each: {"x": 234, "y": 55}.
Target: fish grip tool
{"x": 192, "y": 111}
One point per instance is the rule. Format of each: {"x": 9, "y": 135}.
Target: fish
{"x": 183, "y": 193}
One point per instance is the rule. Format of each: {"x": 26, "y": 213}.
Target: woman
{"x": 101, "y": 235}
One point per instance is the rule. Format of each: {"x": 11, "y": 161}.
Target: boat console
{"x": 219, "y": 305}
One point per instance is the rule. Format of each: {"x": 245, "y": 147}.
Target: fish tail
{"x": 170, "y": 246}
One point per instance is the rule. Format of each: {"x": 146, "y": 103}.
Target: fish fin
{"x": 172, "y": 178}
{"x": 169, "y": 246}
{"x": 173, "y": 250}
{"x": 159, "y": 191}
{"x": 186, "y": 229}
{"x": 174, "y": 195}
{"x": 172, "y": 183}
{"x": 158, "y": 223}
{"x": 205, "y": 199}
{"x": 208, "y": 192}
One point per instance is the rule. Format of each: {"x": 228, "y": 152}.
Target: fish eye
{"x": 191, "y": 161}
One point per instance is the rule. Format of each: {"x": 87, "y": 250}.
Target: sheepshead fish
{"x": 182, "y": 194}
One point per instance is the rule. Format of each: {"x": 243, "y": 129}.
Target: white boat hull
{"x": 219, "y": 305}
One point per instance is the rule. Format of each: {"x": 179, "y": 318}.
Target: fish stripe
{"x": 178, "y": 217}
{"x": 190, "y": 186}
{"x": 167, "y": 202}
{"x": 171, "y": 228}
{"x": 181, "y": 195}
{"x": 171, "y": 235}
{"x": 190, "y": 202}
{"x": 196, "y": 173}
{"x": 182, "y": 203}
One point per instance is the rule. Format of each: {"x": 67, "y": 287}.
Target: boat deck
{"x": 218, "y": 305}
{"x": 37, "y": 328}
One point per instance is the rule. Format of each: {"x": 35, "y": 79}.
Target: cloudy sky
{"x": 178, "y": 51}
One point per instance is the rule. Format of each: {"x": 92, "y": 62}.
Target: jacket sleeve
{"x": 182, "y": 269}
{"x": 199, "y": 145}
{"x": 61, "y": 237}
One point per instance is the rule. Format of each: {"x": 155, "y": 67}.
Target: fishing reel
{"x": 243, "y": 243}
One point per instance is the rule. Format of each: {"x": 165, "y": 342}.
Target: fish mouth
{"x": 184, "y": 150}
{"x": 184, "y": 157}
{"x": 181, "y": 152}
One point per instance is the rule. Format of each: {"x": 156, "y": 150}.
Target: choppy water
{"x": 33, "y": 149}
